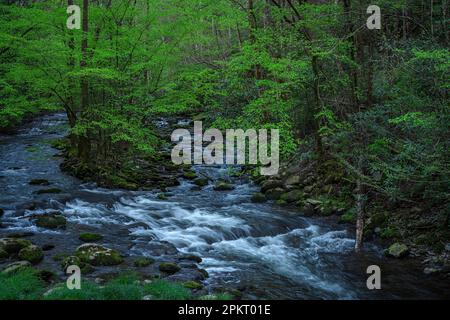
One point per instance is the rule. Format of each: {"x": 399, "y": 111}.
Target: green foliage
{"x": 20, "y": 285}
{"x": 163, "y": 290}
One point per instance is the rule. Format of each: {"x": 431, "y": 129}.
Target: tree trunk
{"x": 361, "y": 199}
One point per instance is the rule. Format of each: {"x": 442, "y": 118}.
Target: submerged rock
{"x": 39, "y": 182}
{"x": 398, "y": 250}
{"x": 49, "y": 191}
{"x": 98, "y": 255}
{"x": 169, "y": 267}
{"x": 32, "y": 254}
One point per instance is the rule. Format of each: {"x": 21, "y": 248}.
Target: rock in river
{"x": 398, "y": 250}
{"x": 32, "y": 254}
{"x": 98, "y": 255}
{"x": 169, "y": 267}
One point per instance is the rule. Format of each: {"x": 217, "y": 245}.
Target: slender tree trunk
{"x": 361, "y": 199}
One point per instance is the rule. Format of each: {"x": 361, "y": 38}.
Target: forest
{"x": 363, "y": 119}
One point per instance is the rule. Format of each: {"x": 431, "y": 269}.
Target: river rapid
{"x": 266, "y": 251}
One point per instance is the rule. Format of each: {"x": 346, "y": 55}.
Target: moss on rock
{"x": 397, "y": 250}
{"x": 223, "y": 186}
{"x": 201, "y": 182}
{"x": 169, "y": 267}
{"x": 143, "y": 262}
{"x": 90, "y": 237}
{"x": 32, "y": 254}
{"x": 193, "y": 285}
{"x": 98, "y": 255}
{"x": 190, "y": 175}
{"x": 13, "y": 245}
{"x": 51, "y": 221}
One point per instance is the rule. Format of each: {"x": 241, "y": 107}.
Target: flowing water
{"x": 272, "y": 252}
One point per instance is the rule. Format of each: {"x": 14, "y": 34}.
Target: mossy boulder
{"x": 76, "y": 261}
{"x": 259, "y": 198}
{"x": 397, "y": 250}
{"x": 98, "y": 255}
{"x": 13, "y": 245}
{"x": 32, "y": 254}
{"x": 190, "y": 175}
{"x": 16, "y": 266}
{"x": 201, "y": 182}
{"x": 90, "y": 237}
{"x": 120, "y": 182}
{"x": 143, "y": 262}
{"x": 169, "y": 267}
{"x": 193, "y": 285}
{"x": 71, "y": 261}
{"x": 51, "y": 221}
{"x": 223, "y": 186}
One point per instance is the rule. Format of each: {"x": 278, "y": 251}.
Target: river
{"x": 272, "y": 252}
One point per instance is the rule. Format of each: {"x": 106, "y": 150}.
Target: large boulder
{"x": 13, "y": 245}
{"x": 397, "y": 250}
{"x": 32, "y": 254}
{"x": 98, "y": 255}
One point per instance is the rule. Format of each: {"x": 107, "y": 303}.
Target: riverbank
{"x": 406, "y": 230}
